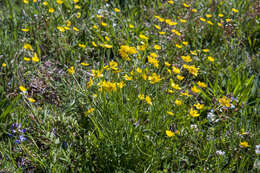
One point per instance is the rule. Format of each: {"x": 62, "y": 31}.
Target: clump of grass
{"x": 128, "y": 86}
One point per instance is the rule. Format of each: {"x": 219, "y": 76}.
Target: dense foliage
{"x": 129, "y": 86}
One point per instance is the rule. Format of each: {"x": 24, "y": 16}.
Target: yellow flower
{"x": 26, "y": 1}
{"x": 186, "y": 58}
{"x": 185, "y": 43}
{"x": 4, "y": 65}
{"x": 26, "y": 59}
{"x": 176, "y": 70}
{"x": 138, "y": 70}
{"x": 109, "y": 86}
{"x": 161, "y": 19}
{"x": 99, "y": 16}
{"x": 108, "y": 46}
{"x": 194, "y": 10}
{"x": 220, "y": 15}
{"x": 171, "y": 23}
{"x": 173, "y": 85}
{"x": 77, "y": 7}
{"x": 168, "y": 21}
{"x": 148, "y": 100}
{"x": 94, "y": 44}
{"x": 225, "y": 101}
{"x": 107, "y": 38}
{"x": 143, "y": 37}
{"x": 59, "y": 1}
{"x": 169, "y": 133}
{"x": 120, "y": 84}
{"x": 210, "y": 58}
{"x": 25, "y": 29}
{"x": 75, "y": 29}
{"x": 220, "y": 24}
{"x": 153, "y": 61}
{"x": 228, "y": 20}
{"x": 162, "y": 33}
{"x": 35, "y": 58}
{"x": 179, "y": 77}
{"x": 144, "y": 76}
{"x": 68, "y": 23}
{"x": 154, "y": 78}
{"x": 177, "y": 132}
{"x": 113, "y": 65}
{"x": 167, "y": 64}
{"x": 208, "y": 15}
{"x": 125, "y": 50}
{"x": 51, "y": 10}
{"x": 170, "y": 113}
{"x": 234, "y": 10}
{"x": 78, "y": 15}
{"x": 61, "y": 29}
{"x": 186, "y": 5}
{"x": 103, "y": 24}
{"x": 95, "y": 27}
{"x": 82, "y": 45}
{"x": 141, "y": 96}
{"x": 116, "y": 10}
{"x": 176, "y": 32}
{"x": 201, "y": 84}
{"x": 202, "y": 19}
{"x": 199, "y": 106}
{"x": 183, "y": 20}
{"x": 91, "y": 110}
{"x": 127, "y": 77}
{"x": 209, "y": 22}
{"x": 71, "y": 70}
{"x": 243, "y": 132}
{"x": 154, "y": 55}
{"x": 142, "y": 47}
{"x": 194, "y": 113}
{"x": 84, "y": 64}
{"x": 22, "y": 88}
{"x": 244, "y": 144}
{"x": 195, "y": 89}
{"x": 186, "y": 93}
{"x": 30, "y": 99}
{"x": 97, "y": 73}
{"x": 170, "y": 91}
{"x": 131, "y": 26}
{"x": 193, "y": 53}
{"x": 205, "y": 50}
{"x": 89, "y": 83}
{"x": 157, "y": 47}
{"x": 170, "y": 2}
{"x": 28, "y": 46}
{"x": 178, "y": 46}
{"x": 45, "y": 3}
{"x": 75, "y": 1}
{"x": 192, "y": 69}
{"x": 178, "y": 102}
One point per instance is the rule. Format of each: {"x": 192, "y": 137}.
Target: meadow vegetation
{"x": 129, "y": 86}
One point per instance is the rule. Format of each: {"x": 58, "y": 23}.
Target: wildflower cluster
{"x": 121, "y": 79}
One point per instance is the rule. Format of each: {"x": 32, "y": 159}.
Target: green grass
{"x": 70, "y": 119}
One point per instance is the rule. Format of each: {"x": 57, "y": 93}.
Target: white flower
{"x": 257, "y": 149}
{"x": 194, "y": 127}
{"x": 212, "y": 117}
{"x": 219, "y": 152}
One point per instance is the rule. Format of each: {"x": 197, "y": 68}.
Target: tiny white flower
{"x": 219, "y": 152}
{"x": 257, "y": 149}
